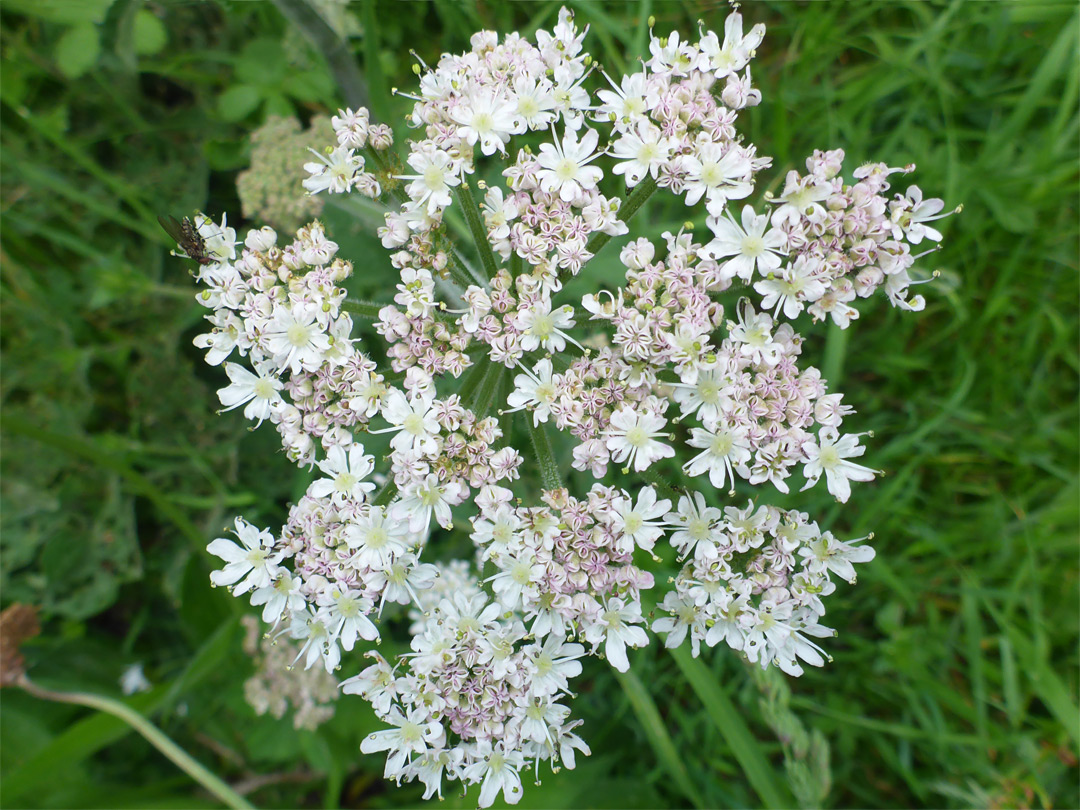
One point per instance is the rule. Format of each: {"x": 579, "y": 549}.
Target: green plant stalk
{"x": 333, "y": 48}
{"x": 362, "y": 309}
{"x": 642, "y": 191}
{"x": 545, "y": 456}
{"x": 467, "y": 200}
{"x": 155, "y": 736}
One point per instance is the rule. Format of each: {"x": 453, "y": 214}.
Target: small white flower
{"x": 750, "y": 248}
{"x": 497, "y": 767}
{"x": 533, "y": 390}
{"x": 333, "y": 173}
{"x": 829, "y": 455}
{"x": 724, "y": 450}
{"x": 376, "y": 540}
{"x": 134, "y": 680}
{"x": 641, "y": 152}
{"x": 617, "y": 628}
{"x": 346, "y": 472}
{"x": 254, "y": 561}
{"x": 636, "y": 523}
{"x": 259, "y": 392}
{"x": 718, "y": 174}
{"x": 413, "y": 734}
{"x": 564, "y": 165}
{"x": 294, "y": 338}
{"x": 486, "y": 117}
{"x": 632, "y": 437}
{"x": 413, "y": 421}
{"x": 436, "y": 173}
{"x": 279, "y": 597}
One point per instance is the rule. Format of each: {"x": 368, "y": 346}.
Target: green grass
{"x": 954, "y": 680}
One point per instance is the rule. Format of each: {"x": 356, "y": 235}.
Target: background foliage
{"x": 955, "y": 673}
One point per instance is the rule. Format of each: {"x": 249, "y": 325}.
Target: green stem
{"x": 333, "y": 48}
{"x": 485, "y": 394}
{"x": 642, "y": 191}
{"x": 386, "y": 494}
{"x": 545, "y": 456}
{"x": 666, "y": 489}
{"x": 155, "y": 736}
{"x": 364, "y": 309}
{"x": 467, "y": 200}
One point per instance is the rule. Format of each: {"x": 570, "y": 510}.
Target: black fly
{"x": 186, "y": 235}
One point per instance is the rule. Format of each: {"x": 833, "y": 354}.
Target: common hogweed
{"x": 481, "y": 351}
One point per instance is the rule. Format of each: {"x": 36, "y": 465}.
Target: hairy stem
{"x": 467, "y": 200}
{"x": 642, "y": 191}
{"x": 545, "y": 456}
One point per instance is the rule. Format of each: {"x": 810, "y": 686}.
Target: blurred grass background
{"x": 954, "y": 682}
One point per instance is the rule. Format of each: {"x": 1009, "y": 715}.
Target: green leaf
{"x": 77, "y": 50}
{"x": 655, "y": 730}
{"x": 262, "y": 62}
{"x": 149, "y": 33}
{"x": 239, "y": 101}
{"x": 728, "y": 720}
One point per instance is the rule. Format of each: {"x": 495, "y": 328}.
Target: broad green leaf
{"x": 239, "y": 101}
{"x": 77, "y": 50}
{"x": 149, "y": 33}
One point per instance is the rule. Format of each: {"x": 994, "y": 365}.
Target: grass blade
{"x": 761, "y": 775}
{"x": 653, "y": 725}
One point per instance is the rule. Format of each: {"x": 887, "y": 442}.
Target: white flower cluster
{"x": 479, "y": 349}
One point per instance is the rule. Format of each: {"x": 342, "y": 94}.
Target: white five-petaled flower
{"x": 436, "y": 173}
{"x": 426, "y": 497}
{"x": 252, "y": 564}
{"x": 377, "y": 541}
{"x": 632, "y": 438}
{"x": 697, "y": 527}
{"x": 344, "y": 611}
{"x": 279, "y": 597}
{"x": 413, "y": 421}
{"x": 745, "y": 248}
{"x": 487, "y": 117}
{"x": 718, "y": 173}
{"x": 829, "y": 455}
{"x": 754, "y": 334}
{"x": 637, "y": 523}
{"x": 564, "y": 164}
{"x": 723, "y": 450}
{"x": 543, "y": 327}
{"x": 641, "y": 152}
{"x": 295, "y": 340}
{"x": 827, "y": 553}
{"x": 333, "y": 173}
{"x": 413, "y": 734}
{"x": 346, "y": 472}
{"x": 497, "y": 767}
{"x": 533, "y": 390}
{"x": 731, "y": 57}
{"x": 788, "y": 289}
{"x": 910, "y": 213}
{"x": 618, "y": 629}
{"x": 258, "y": 392}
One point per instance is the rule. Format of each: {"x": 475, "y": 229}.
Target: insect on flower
{"x": 186, "y": 235}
